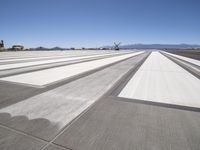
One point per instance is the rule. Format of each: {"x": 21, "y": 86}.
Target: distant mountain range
{"x": 44, "y": 48}
{"x": 131, "y": 46}
{"x": 156, "y": 46}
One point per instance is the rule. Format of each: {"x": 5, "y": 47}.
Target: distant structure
{"x": 1, "y": 44}
{"x": 18, "y": 47}
{"x": 116, "y": 47}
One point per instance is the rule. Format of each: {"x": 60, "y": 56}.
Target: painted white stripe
{"x": 31, "y": 58}
{"x": 161, "y": 80}
{"x": 62, "y": 104}
{"x": 27, "y": 64}
{"x": 193, "y": 61}
{"x": 35, "y": 58}
{"x": 44, "y": 77}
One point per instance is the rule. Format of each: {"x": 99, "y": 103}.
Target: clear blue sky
{"x": 93, "y": 23}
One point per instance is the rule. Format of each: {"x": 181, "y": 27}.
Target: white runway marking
{"x": 39, "y": 58}
{"x": 193, "y": 61}
{"x": 44, "y": 77}
{"x": 161, "y": 80}
{"x": 29, "y": 58}
{"x": 64, "y": 103}
{"x": 27, "y": 64}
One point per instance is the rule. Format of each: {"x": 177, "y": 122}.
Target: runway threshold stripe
{"x": 30, "y": 58}
{"x": 48, "y": 76}
{"x": 193, "y": 61}
{"x": 161, "y": 80}
{"x": 36, "y": 58}
{"x": 27, "y": 64}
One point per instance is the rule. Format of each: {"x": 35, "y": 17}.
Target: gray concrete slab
{"x": 55, "y": 147}
{"x": 50, "y": 60}
{"x": 193, "y": 69}
{"x": 13, "y": 93}
{"x": 20, "y": 70}
{"x": 161, "y": 80}
{"x": 9, "y": 57}
{"x": 120, "y": 125}
{"x": 53, "y": 75}
{"x": 46, "y": 114}
{"x": 193, "y": 61}
{"x": 10, "y": 140}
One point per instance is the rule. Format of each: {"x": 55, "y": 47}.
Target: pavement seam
{"x": 72, "y": 78}
{"x": 48, "y": 143}
{"x": 62, "y": 63}
{"x": 86, "y": 110}
{"x": 47, "y": 58}
{"x": 154, "y": 103}
{"x": 60, "y": 146}
{"x": 31, "y": 136}
{"x": 188, "y": 67}
{"x": 23, "y": 133}
{"x": 128, "y": 76}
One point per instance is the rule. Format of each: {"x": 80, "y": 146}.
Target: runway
{"x": 193, "y": 61}
{"x": 98, "y": 100}
{"x": 50, "y": 60}
{"x": 161, "y": 80}
{"x": 56, "y": 74}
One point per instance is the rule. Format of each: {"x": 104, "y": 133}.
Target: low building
{"x": 17, "y": 47}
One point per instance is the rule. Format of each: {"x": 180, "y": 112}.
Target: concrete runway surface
{"x": 44, "y": 77}
{"x": 161, "y": 80}
{"x": 193, "y": 61}
{"x": 50, "y": 60}
{"x": 98, "y": 100}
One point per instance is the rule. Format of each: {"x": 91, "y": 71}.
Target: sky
{"x": 95, "y": 23}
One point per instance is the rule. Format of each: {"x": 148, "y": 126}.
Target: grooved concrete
{"x": 9, "y": 72}
{"x": 193, "y": 61}
{"x": 40, "y": 62}
{"x": 81, "y": 114}
{"x": 119, "y": 125}
{"x": 54, "y": 147}
{"x": 161, "y": 80}
{"x": 194, "y": 69}
{"x": 44, "y": 77}
{"x": 44, "y": 115}
{"x": 13, "y": 141}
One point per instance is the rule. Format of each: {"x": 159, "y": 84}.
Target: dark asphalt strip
{"x": 12, "y": 93}
{"x": 153, "y": 103}
{"x": 117, "y": 125}
{"x": 187, "y": 68}
{"x": 129, "y": 75}
{"x": 16, "y": 71}
{"x": 43, "y": 59}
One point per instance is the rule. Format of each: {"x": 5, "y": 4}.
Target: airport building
{"x": 18, "y": 47}
{"x": 1, "y": 45}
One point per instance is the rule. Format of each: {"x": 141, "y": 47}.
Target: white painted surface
{"x": 62, "y": 104}
{"x": 27, "y": 64}
{"x": 161, "y": 80}
{"x": 44, "y": 77}
{"x": 25, "y": 55}
{"x": 39, "y": 58}
{"x": 29, "y": 58}
{"x": 193, "y": 61}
